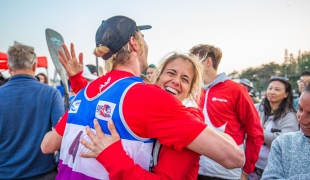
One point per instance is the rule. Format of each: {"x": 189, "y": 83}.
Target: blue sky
{"x": 249, "y": 33}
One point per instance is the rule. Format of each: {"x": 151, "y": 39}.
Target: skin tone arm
{"x": 51, "y": 142}
{"x": 219, "y": 147}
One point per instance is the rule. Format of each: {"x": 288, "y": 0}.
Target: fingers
{"x": 88, "y": 154}
{"x": 112, "y": 129}
{"x": 68, "y": 56}
{"x": 72, "y": 50}
{"x": 61, "y": 57}
{"x": 81, "y": 59}
{"x": 90, "y": 133}
{"x": 98, "y": 129}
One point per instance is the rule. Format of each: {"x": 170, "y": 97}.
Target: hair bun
{"x": 101, "y": 50}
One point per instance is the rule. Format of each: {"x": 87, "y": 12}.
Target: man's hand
{"x": 69, "y": 61}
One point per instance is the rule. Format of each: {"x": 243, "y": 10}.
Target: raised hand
{"x": 100, "y": 141}
{"x": 69, "y": 61}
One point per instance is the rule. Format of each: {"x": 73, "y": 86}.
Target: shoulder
{"x": 288, "y": 138}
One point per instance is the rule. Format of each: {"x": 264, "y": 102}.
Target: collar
{"x": 222, "y": 77}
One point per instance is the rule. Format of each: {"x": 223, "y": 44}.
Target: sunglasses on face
{"x": 279, "y": 78}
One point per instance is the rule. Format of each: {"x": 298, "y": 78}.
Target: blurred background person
{"x": 227, "y": 108}
{"x": 277, "y": 117}
{"x": 88, "y": 75}
{"x": 4, "y": 77}
{"x": 28, "y": 110}
{"x": 305, "y": 76}
{"x": 42, "y": 78}
{"x": 151, "y": 72}
{"x": 289, "y": 155}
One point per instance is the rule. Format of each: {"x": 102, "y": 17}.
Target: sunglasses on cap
{"x": 279, "y": 78}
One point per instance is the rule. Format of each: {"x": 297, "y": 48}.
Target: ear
{"x": 10, "y": 69}
{"x": 34, "y": 67}
{"x": 133, "y": 44}
{"x": 208, "y": 62}
{"x": 286, "y": 94}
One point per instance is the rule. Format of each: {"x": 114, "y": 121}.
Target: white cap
{"x": 6, "y": 74}
{"x": 87, "y": 74}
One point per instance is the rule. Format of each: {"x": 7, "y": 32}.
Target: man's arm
{"x": 249, "y": 118}
{"x": 52, "y": 140}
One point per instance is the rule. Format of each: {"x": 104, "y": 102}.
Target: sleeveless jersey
{"x": 106, "y": 105}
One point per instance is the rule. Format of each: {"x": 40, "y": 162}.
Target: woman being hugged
{"x": 277, "y": 116}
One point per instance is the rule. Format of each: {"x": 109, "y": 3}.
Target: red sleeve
{"x": 61, "y": 125}
{"x": 158, "y": 114}
{"x": 77, "y": 82}
{"x": 177, "y": 165}
{"x": 250, "y": 121}
{"x": 121, "y": 166}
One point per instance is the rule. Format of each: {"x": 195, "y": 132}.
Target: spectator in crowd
{"x": 228, "y": 108}
{"x": 4, "y": 77}
{"x": 129, "y": 59}
{"x": 42, "y": 78}
{"x": 145, "y": 79}
{"x": 151, "y": 72}
{"x": 305, "y": 76}
{"x": 88, "y": 75}
{"x": 289, "y": 155}
{"x": 28, "y": 110}
{"x": 277, "y": 117}
{"x": 250, "y": 88}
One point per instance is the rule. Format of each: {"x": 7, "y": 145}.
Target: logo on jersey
{"x": 74, "y": 106}
{"x": 218, "y": 99}
{"x": 104, "y": 84}
{"x": 104, "y": 110}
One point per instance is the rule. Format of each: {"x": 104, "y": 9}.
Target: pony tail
{"x": 101, "y": 50}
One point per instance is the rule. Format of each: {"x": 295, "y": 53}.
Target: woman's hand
{"x": 100, "y": 141}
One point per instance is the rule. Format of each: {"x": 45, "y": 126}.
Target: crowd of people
{"x": 178, "y": 120}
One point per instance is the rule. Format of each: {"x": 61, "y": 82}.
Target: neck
{"x": 210, "y": 75}
{"x": 274, "y": 106}
{"x": 28, "y": 72}
{"x": 132, "y": 66}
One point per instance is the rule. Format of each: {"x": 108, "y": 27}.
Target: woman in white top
{"x": 277, "y": 116}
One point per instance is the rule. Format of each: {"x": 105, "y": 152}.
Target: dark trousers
{"x": 202, "y": 177}
{"x": 46, "y": 176}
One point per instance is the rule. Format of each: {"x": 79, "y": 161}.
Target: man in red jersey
{"x": 140, "y": 111}
{"x": 228, "y": 108}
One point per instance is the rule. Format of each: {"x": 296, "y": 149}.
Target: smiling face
{"x": 303, "y": 113}
{"x": 177, "y": 77}
{"x": 276, "y": 92}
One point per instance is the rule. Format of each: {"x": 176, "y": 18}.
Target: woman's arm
{"x": 288, "y": 123}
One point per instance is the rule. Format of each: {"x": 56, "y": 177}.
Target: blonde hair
{"x": 196, "y": 85}
{"x": 120, "y": 57}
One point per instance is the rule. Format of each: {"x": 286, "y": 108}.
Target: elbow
{"x": 236, "y": 161}
{"x": 45, "y": 148}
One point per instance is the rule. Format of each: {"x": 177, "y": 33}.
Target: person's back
{"x": 28, "y": 109}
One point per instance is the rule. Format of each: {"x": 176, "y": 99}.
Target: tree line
{"x": 290, "y": 68}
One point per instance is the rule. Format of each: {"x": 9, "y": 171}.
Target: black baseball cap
{"x": 115, "y": 32}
